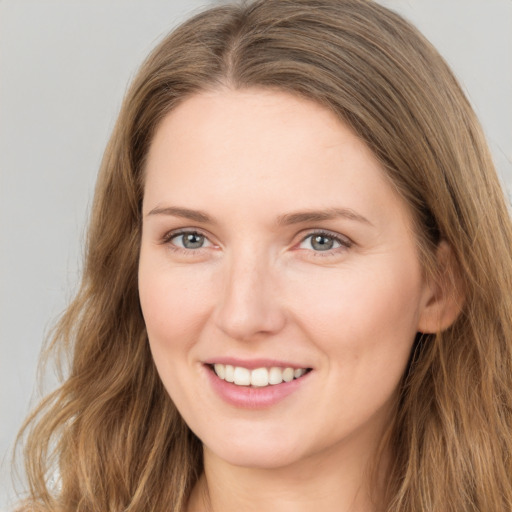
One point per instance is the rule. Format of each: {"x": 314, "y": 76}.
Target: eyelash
{"x": 167, "y": 239}
{"x": 344, "y": 242}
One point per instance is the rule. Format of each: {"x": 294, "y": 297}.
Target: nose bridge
{"x": 248, "y": 302}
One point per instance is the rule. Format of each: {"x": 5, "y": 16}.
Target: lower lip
{"x": 253, "y": 397}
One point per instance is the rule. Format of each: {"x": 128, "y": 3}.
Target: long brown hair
{"x": 112, "y": 431}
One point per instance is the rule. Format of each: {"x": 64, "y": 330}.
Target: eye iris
{"x": 322, "y": 242}
{"x": 192, "y": 240}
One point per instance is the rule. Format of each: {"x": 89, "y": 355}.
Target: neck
{"x": 337, "y": 480}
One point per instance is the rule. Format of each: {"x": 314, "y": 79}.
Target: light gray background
{"x": 64, "y": 67}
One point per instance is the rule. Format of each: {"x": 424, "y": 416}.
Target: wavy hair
{"x": 112, "y": 431}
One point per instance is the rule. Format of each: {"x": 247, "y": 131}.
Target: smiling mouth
{"x": 259, "y": 377}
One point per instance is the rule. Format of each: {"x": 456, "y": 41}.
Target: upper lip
{"x": 252, "y": 364}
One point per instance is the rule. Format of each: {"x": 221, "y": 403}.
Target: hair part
{"x": 120, "y": 443}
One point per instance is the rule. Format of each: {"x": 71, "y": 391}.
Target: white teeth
{"x": 288, "y": 374}
{"x": 242, "y": 376}
{"x": 299, "y": 372}
{"x": 275, "y": 375}
{"x": 220, "y": 370}
{"x": 259, "y": 377}
{"x": 229, "y": 373}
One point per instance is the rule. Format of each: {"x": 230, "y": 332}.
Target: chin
{"x": 258, "y": 459}
{"x": 260, "y": 453}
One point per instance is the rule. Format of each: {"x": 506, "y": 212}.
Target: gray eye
{"x": 319, "y": 242}
{"x": 322, "y": 242}
{"x": 190, "y": 240}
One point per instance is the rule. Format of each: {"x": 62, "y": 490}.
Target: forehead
{"x": 248, "y": 146}
{"x": 267, "y": 122}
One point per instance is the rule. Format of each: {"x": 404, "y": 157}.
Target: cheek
{"x": 175, "y": 308}
{"x": 366, "y": 318}
{"x": 174, "y": 304}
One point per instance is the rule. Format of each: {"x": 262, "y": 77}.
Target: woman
{"x": 297, "y": 285}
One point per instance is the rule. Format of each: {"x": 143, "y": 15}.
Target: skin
{"x": 258, "y": 288}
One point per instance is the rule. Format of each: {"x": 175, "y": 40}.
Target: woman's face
{"x": 274, "y": 248}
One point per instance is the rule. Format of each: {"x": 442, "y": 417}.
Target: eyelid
{"x": 167, "y": 238}
{"x": 344, "y": 241}
{"x": 178, "y": 231}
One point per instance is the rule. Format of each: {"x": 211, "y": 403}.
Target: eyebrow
{"x": 321, "y": 215}
{"x": 186, "y": 213}
{"x": 283, "y": 220}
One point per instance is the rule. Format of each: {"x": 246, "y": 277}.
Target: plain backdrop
{"x": 64, "y": 68}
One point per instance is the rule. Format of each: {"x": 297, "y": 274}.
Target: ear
{"x": 444, "y": 296}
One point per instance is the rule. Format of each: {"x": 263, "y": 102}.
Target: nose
{"x": 249, "y": 301}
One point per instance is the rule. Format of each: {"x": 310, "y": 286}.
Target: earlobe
{"x": 445, "y": 296}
